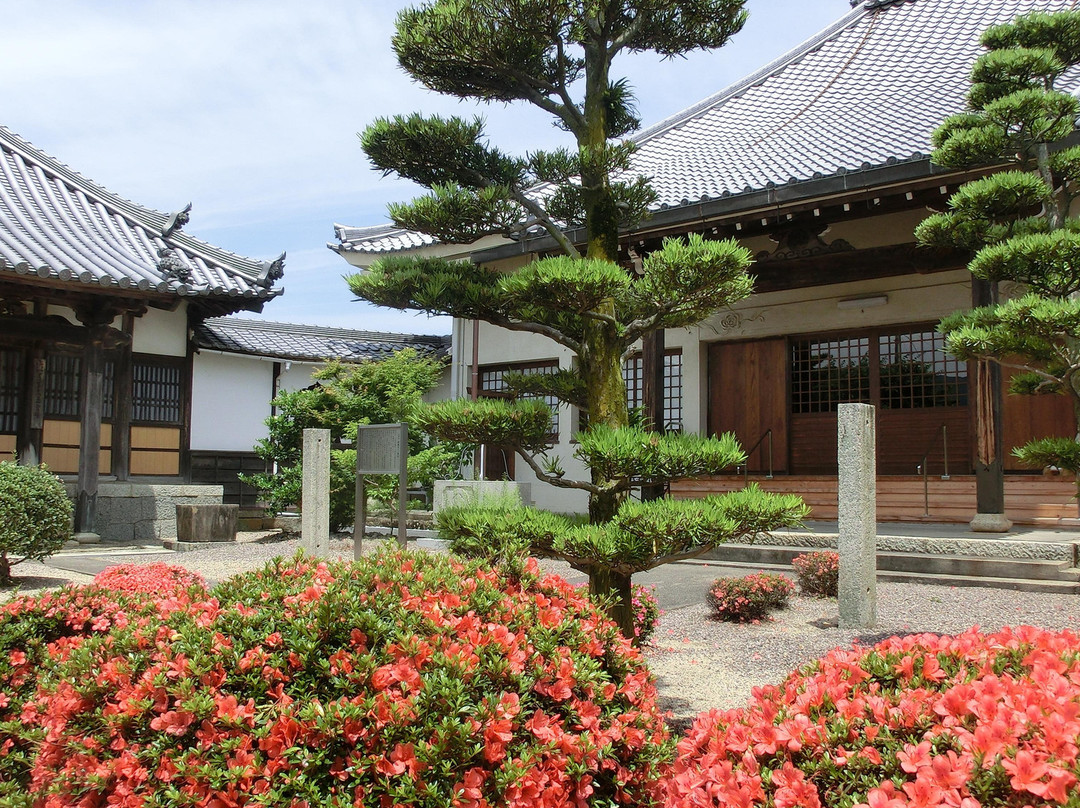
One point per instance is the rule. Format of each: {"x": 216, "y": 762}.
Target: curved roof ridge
{"x": 153, "y": 220}
{"x": 807, "y": 46}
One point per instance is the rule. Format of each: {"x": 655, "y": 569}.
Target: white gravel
{"x": 700, "y": 663}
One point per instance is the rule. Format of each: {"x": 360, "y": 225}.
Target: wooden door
{"x": 1025, "y": 418}
{"x": 748, "y": 396}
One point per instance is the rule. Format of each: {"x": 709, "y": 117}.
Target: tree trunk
{"x": 5, "y": 569}
{"x": 606, "y": 582}
{"x": 601, "y": 364}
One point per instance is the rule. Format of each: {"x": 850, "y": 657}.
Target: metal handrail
{"x": 746, "y": 468}
{"x": 922, "y": 468}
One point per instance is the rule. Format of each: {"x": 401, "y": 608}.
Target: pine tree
{"x": 543, "y": 52}
{"x": 1017, "y": 221}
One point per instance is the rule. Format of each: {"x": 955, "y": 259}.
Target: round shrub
{"x": 751, "y": 597}
{"x": 160, "y": 579}
{"x": 971, "y": 721}
{"x": 35, "y": 515}
{"x": 404, "y": 679}
{"x": 818, "y": 573}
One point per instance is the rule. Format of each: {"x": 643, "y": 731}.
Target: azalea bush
{"x": 38, "y": 634}
{"x": 818, "y": 573}
{"x": 751, "y": 597}
{"x": 161, "y": 579}
{"x": 973, "y": 721}
{"x": 647, "y": 613}
{"x": 403, "y": 679}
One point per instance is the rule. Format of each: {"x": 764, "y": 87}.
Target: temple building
{"x": 98, "y": 296}
{"x": 819, "y": 164}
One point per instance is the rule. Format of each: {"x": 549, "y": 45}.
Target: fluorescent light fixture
{"x": 862, "y": 302}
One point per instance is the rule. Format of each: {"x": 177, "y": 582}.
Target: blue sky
{"x": 250, "y": 111}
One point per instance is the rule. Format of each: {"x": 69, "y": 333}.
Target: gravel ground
{"x": 701, "y": 663}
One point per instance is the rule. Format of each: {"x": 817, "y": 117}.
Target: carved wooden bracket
{"x": 802, "y": 239}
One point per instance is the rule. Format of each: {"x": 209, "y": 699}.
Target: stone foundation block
{"x": 206, "y": 523}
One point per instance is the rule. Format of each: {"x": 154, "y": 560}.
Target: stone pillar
{"x": 858, "y": 516}
{"x": 315, "y": 508}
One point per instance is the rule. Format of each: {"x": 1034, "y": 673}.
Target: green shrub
{"x": 818, "y": 573}
{"x": 751, "y": 597}
{"x": 35, "y": 515}
{"x": 499, "y": 530}
{"x": 386, "y": 391}
{"x": 402, "y": 679}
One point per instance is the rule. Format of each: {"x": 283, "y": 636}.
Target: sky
{"x": 250, "y": 111}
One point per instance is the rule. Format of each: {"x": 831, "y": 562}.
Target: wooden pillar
{"x": 652, "y": 393}
{"x": 123, "y": 383}
{"x": 91, "y": 390}
{"x": 32, "y": 408}
{"x": 990, "y": 456}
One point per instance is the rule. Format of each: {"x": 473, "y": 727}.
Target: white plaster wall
{"x": 164, "y": 333}
{"x": 443, "y": 390}
{"x": 230, "y": 401}
{"x": 294, "y": 375}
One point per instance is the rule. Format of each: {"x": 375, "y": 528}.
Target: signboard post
{"x": 380, "y": 449}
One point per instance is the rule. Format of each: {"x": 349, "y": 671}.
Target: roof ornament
{"x": 172, "y": 267}
{"x": 272, "y": 271}
{"x": 176, "y": 221}
{"x": 802, "y": 239}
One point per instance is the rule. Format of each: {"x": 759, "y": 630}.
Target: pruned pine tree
{"x": 1017, "y": 221}
{"x": 558, "y": 55}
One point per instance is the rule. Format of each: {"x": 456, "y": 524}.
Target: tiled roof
{"x": 864, "y": 93}
{"x": 380, "y": 238}
{"x": 56, "y": 224}
{"x": 309, "y": 342}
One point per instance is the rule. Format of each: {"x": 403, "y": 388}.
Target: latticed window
{"x": 11, "y": 371}
{"x": 157, "y": 391}
{"x": 62, "y": 377}
{"x": 916, "y": 372}
{"x": 63, "y": 380}
{"x": 493, "y": 385}
{"x": 634, "y": 376}
{"x": 893, "y": 371}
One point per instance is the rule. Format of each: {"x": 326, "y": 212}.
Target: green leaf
{"x": 569, "y": 284}
{"x": 507, "y": 424}
{"x": 691, "y": 278}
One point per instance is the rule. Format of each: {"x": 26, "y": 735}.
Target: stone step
{"x": 923, "y": 563}
{"x": 1017, "y": 584}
